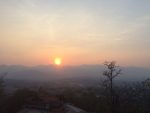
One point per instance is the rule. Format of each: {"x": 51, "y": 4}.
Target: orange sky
{"x": 34, "y": 32}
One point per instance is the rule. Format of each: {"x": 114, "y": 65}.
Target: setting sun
{"x": 57, "y": 61}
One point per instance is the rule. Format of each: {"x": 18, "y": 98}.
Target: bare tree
{"x": 110, "y": 73}
{"x": 146, "y": 83}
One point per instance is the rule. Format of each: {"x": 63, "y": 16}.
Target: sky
{"x": 34, "y": 32}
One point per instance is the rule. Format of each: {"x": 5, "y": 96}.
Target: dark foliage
{"x": 128, "y": 98}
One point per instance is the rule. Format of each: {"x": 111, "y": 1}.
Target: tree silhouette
{"x": 112, "y": 71}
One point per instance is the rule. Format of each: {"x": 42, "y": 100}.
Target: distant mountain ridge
{"x": 50, "y": 72}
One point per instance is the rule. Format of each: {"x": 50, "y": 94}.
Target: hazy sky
{"x": 79, "y": 31}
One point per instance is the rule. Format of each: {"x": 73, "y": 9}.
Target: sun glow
{"x": 57, "y": 61}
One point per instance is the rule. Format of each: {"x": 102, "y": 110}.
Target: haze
{"x": 34, "y": 32}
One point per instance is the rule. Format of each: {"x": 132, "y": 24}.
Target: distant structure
{"x": 50, "y": 104}
{"x": 67, "y": 109}
{"x": 73, "y": 109}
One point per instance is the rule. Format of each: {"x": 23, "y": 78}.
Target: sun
{"x": 57, "y": 61}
